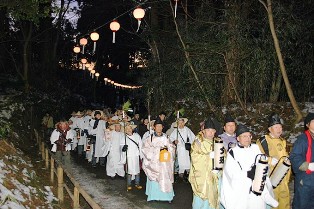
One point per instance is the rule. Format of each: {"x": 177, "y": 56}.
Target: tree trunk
{"x": 275, "y": 88}
{"x": 26, "y": 56}
{"x": 280, "y": 59}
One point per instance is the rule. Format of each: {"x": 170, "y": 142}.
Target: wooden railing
{"x": 48, "y": 157}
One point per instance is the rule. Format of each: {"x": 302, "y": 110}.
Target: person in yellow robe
{"x": 204, "y": 180}
{"x": 273, "y": 145}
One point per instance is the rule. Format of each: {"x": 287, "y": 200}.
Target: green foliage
{"x": 5, "y": 129}
{"x": 29, "y": 10}
{"x": 126, "y": 105}
{"x": 229, "y": 37}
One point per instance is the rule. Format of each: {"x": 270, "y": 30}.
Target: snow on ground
{"x": 16, "y": 182}
{"x": 101, "y": 191}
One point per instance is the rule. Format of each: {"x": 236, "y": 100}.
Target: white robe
{"x": 235, "y": 188}
{"x": 99, "y": 132}
{"x": 113, "y": 150}
{"x": 183, "y": 155}
{"x": 134, "y": 153}
{"x": 75, "y": 141}
{"x": 80, "y": 123}
{"x": 55, "y": 136}
{"x": 147, "y": 134}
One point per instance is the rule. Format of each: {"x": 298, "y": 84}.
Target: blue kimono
{"x": 303, "y": 183}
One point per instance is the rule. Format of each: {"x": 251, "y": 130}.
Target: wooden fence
{"x": 48, "y": 157}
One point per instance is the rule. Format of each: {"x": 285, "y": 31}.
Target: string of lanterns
{"x": 119, "y": 85}
{"x": 139, "y": 14}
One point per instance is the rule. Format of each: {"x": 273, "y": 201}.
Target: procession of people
{"x": 225, "y": 168}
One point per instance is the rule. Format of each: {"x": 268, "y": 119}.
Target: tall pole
{"x": 126, "y": 152}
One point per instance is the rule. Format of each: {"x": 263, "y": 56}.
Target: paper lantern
{"x": 105, "y": 79}
{"x": 175, "y": 8}
{"x": 114, "y": 26}
{"x": 97, "y": 75}
{"x": 83, "y": 42}
{"x": 139, "y": 13}
{"x": 92, "y": 72}
{"x": 83, "y": 61}
{"x": 76, "y": 49}
{"x": 94, "y": 36}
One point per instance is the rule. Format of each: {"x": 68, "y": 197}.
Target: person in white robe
{"x": 183, "y": 137}
{"x": 97, "y": 131}
{"x": 113, "y": 151}
{"x": 238, "y": 174}
{"x": 131, "y": 154}
{"x": 150, "y": 128}
{"x": 75, "y": 141}
{"x": 79, "y": 125}
{"x": 158, "y": 164}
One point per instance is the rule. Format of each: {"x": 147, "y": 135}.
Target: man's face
{"x": 128, "y": 130}
{"x": 117, "y": 127}
{"x": 275, "y": 130}
{"x": 63, "y": 126}
{"x": 310, "y": 125}
{"x": 97, "y": 116}
{"x": 162, "y": 117}
{"x": 245, "y": 139}
{"x": 230, "y": 128}
{"x": 158, "y": 128}
{"x": 181, "y": 123}
{"x": 145, "y": 121}
{"x": 136, "y": 116}
{"x": 209, "y": 133}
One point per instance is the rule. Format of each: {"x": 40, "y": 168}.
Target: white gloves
{"x": 212, "y": 155}
{"x": 274, "y": 161}
{"x": 311, "y": 166}
{"x": 215, "y": 171}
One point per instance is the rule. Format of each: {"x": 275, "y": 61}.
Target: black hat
{"x": 213, "y": 123}
{"x": 308, "y": 118}
{"x": 162, "y": 113}
{"x": 158, "y": 121}
{"x": 97, "y": 112}
{"x": 274, "y": 119}
{"x": 241, "y": 129}
{"x": 209, "y": 123}
{"x": 229, "y": 118}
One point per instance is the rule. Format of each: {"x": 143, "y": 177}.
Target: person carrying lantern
{"x": 203, "y": 177}
{"x": 158, "y": 164}
{"x": 274, "y": 146}
{"x": 240, "y": 188}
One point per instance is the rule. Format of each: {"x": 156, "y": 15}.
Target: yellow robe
{"x": 203, "y": 181}
{"x": 277, "y": 149}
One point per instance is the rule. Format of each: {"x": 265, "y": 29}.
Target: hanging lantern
{"x": 138, "y": 13}
{"x": 83, "y": 42}
{"x": 83, "y": 61}
{"x": 94, "y": 36}
{"x": 97, "y": 75}
{"x": 112, "y": 82}
{"x": 76, "y": 49}
{"x": 92, "y": 72}
{"x": 175, "y": 8}
{"x": 105, "y": 79}
{"x": 114, "y": 26}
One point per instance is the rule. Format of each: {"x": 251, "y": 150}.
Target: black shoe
{"x": 176, "y": 178}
